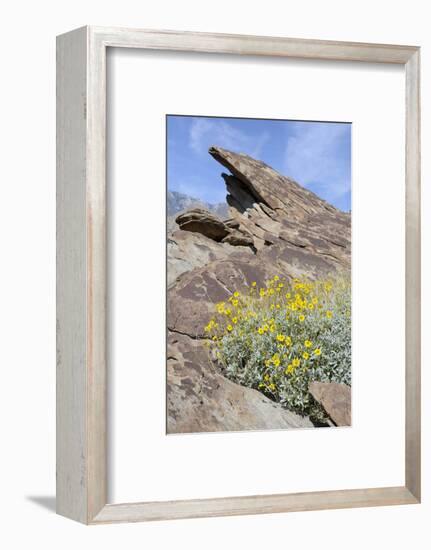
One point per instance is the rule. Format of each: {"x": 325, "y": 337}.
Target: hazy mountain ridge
{"x": 179, "y": 202}
{"x": 275, "y": 227}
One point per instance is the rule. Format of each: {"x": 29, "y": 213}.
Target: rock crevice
{"x": 275, "y": 227}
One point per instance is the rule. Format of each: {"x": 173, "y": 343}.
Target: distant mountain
{"x": 179, "y": 202}
{"x": 294, "y": 234}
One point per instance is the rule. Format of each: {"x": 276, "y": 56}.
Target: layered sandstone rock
{"x": 275, "y": 227}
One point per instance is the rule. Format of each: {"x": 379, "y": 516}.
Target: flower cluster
{"x": 279, "y": 337}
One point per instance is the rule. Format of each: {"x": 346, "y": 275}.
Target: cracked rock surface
{"x": 276, "y": 227}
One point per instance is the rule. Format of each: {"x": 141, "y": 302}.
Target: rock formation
{"x": 335, "y": 399}
{"x": 276, "y": 227}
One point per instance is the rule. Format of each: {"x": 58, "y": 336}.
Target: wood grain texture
{"x": 96, "y": 277}
{"x": 413, "y": 278}
{"x": 71, "y": 276}
{"x": 254, "y": 45}
{"x": 259, "y": 504}
{"x": 81, "y": 274}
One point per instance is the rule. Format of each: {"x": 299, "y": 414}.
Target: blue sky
{"x": 316, "y": 154}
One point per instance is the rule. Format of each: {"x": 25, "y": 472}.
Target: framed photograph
{"x": 238, "y": 275}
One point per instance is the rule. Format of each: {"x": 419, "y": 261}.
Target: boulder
{"x": 202, "y": 221}
{"x": 335, "y": 399}
{"x": 200, "y": 399}
{"x": 276, "y": 227}
{"x": 238, "y": 238}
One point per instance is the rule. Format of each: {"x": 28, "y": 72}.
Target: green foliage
{"x": 279, "y": 338}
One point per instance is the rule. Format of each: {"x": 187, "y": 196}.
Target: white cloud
{"x": 205, "y": 132}
{"x": 313, "y": 158}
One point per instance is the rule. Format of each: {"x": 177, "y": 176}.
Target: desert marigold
{"x": 317, "y": 351}
{"x": 230, "y": 328}
{"x": 329, "y": 314}
{"x": 296, "y": 362}
{"x": 308, "y": 343}
{"x": 301, "y": 318}
{"x": 305, "y": 355}
{"x": 236, "y": 294}
{"x": 253, "y": 283}
{"x": 281, "y": 337}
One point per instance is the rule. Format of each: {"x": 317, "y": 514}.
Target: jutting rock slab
{"x": 275, "y": 227}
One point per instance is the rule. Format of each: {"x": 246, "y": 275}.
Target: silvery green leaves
{"x": 279, "y": 338}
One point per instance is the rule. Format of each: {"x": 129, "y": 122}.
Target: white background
{"x": 27, "y": 303}
{"x": 251, "y": 462}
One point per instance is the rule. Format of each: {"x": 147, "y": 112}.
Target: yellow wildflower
{"x": 276, "y": 360}
{"x": 281, "y": 337}
{"x": 230, "y": 328}
{"x": 253, "y": 283}
{"x": 234, "y": 320}
{"x": 301, "y": 318}
{"x": 329, "y": 314}
{"x": 220, "y": 307}
{"x": 308, "y": 344}
{"x": 317, "y": 351}
{"x": 235, "y": 302}
{"x": 260, "y": 330}
{"x": 236, "y": 294}
{"x": 305, "y": 355}
{"x": 289, "y": 369}
{"x": 288, "y": 341}
{"x": 296, "y": 362}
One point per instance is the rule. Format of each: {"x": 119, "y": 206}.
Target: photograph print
{"x": 258, "y": 235}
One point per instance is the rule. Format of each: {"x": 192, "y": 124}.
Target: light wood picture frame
{"x": 81, "y": 274}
